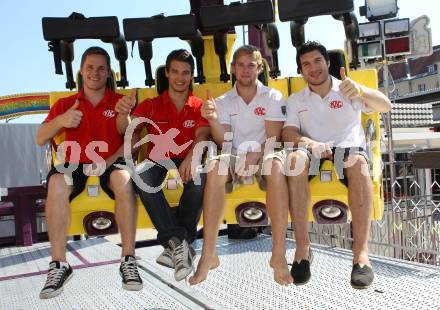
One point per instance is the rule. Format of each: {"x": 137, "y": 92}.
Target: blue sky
{"x": 27, "y": 66}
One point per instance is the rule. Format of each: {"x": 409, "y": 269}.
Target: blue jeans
{"x": 180, "y": 222}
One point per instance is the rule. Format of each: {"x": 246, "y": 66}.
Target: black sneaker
{"x": 361, "y": 277}
{"x": 131, "y": 281}
{"x": 57, "y": 276}
{"x": 301, "y": 271}
{"x": 183, "y": 258}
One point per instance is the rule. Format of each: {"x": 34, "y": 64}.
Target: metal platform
{"x": 243, "y": 281}
{"x": 96, "y": 283}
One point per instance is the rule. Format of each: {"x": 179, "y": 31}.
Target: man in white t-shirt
{"x": 252, "y": 113}
{"x": 324, "y": 122}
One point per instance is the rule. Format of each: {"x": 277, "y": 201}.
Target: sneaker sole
{"x": 183, "y": 275}
{"x": 56, "y": 292}
{"x": 132, "y": 287}
{"x": 302, "y": 283}
{"x": 360, "y": 287}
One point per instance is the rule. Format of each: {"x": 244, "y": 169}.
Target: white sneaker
{"x": 166, "y": 258}
{"x": 183, "y": 258}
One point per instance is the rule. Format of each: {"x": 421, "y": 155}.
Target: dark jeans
{"x": 180, "y": 222}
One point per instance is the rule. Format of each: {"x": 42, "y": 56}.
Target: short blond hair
{"x": 248, "y": 50}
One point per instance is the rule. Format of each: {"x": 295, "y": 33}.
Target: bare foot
{"x": 205, "y": 264}
{"x": 281, "y": 273}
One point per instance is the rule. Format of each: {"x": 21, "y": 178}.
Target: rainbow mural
{"x": 23, "y": 104}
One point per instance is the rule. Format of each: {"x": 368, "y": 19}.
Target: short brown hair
{"x": 248, "y": 50}
{"x": 96, "y": 50}
{"x": 180, "y": 55}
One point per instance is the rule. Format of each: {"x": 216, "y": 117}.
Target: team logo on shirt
{"x": 190, "y": 123}
{"x": 260, "y": 111}
{"x": 283, "y": 109}
{"x": 109, "y": 113}
{"x": 336, "y": 104}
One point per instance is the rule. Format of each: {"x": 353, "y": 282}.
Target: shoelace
{"x": 168, "y": 252}
{"x": 180, "y": 253}
{"x": 129, "y": 269}
{"x": 54, "y": 276}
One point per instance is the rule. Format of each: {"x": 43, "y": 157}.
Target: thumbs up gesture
{"x": 72, "y": 117}
{"x": 348, "y": 87}
{"x": 342, "y": 73}
{"x": 209, "y": 108}
{"x": 126, "y": 103}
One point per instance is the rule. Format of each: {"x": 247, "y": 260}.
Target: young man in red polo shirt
{"x": 174, "y": 126}
{"x": 93, "y": 121}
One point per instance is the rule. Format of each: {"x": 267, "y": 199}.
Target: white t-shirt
{"x": 248, "y": 120}
{"x": 334, "y": 119}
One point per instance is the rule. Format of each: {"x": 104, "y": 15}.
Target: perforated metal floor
{"x": 96, "y": 283}
{"x": 243, "y": 281}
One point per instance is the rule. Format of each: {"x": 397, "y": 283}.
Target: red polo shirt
{"x": 98, "y": 123}
{"x": 171, "y": 130}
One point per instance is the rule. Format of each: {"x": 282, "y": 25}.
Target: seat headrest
{"x": 162, "y": 80}
{"x": 337, "y": 60}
